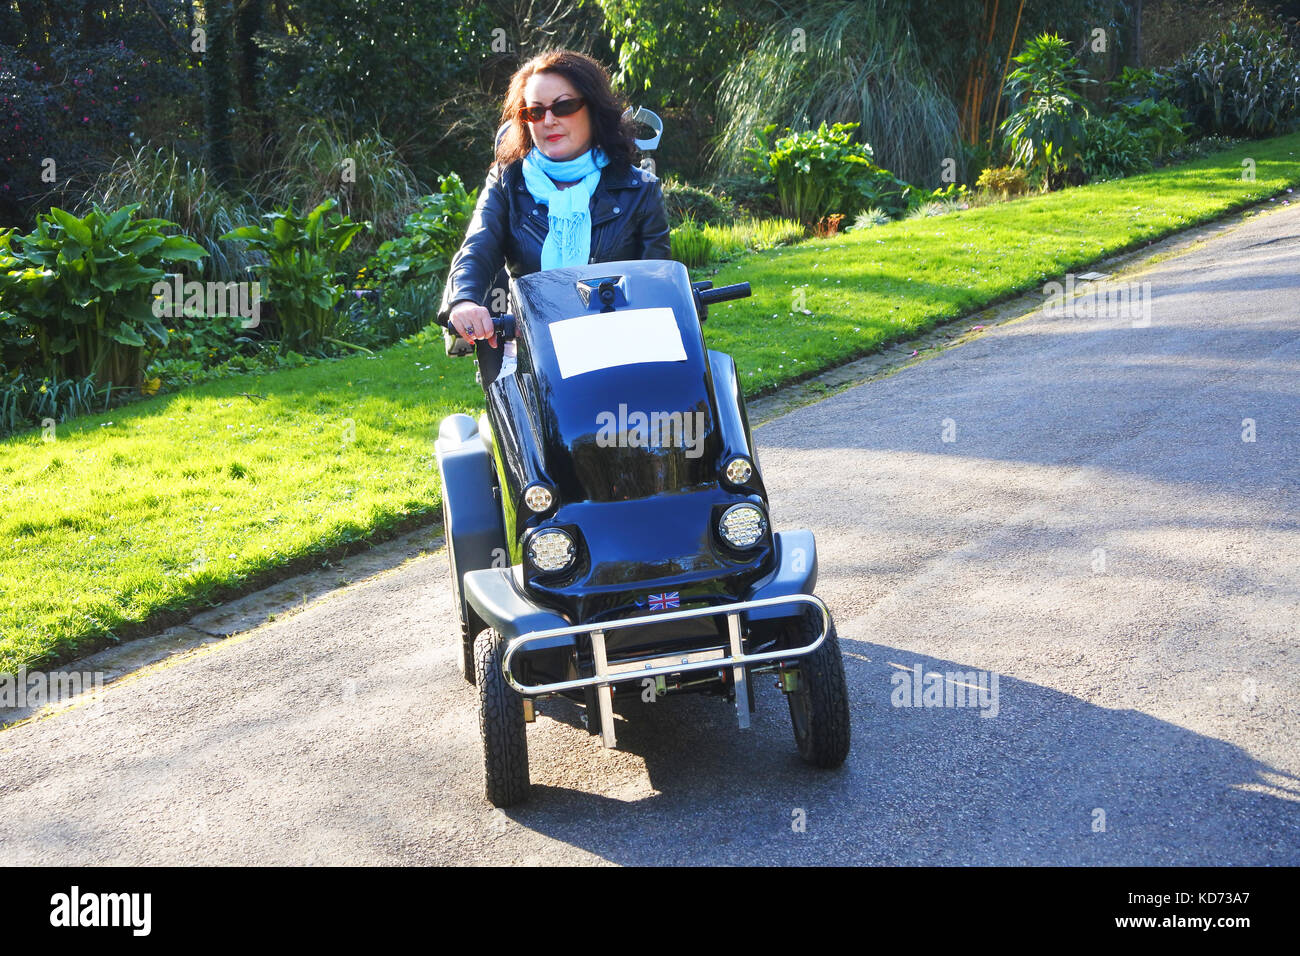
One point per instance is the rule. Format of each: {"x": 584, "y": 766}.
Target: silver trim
{"x": 607, "y": 675}
{"x": 738, "y": 681}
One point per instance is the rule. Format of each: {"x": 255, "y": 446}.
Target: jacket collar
{"x": 605, "y": 198}
{"x": 609, "y": 180}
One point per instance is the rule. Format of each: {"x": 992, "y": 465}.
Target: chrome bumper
{"x": 609, "y": 672}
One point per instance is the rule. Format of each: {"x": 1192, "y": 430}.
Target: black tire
{"x": 500, "y": 724}
{"x": 819, "y": 708}
{"x": 465, "y": 645}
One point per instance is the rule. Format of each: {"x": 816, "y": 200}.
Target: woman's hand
{"x": 472, "y": 322}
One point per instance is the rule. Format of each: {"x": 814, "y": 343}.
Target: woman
{"x": 562, "y": 192}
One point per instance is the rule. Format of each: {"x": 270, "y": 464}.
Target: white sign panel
{"x": 610, "y": 339}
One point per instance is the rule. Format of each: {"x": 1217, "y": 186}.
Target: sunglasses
{"x": 535, "y": 114}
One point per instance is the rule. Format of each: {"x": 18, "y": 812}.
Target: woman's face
{"x": 558, "y": 137}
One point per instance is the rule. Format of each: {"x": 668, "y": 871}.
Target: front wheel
{"x": 819, "y": 704}
{"x": 501, "y": 725}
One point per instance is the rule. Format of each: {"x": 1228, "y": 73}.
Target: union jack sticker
{"x": 665, "y": 601}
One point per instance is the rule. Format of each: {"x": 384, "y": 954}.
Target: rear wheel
{"x": 501, "y": 725}
{"x": 819, "y": 705}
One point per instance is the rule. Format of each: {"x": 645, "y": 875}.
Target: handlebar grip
{"x": 738, "y": 291}
{"x": 503, "y": 325}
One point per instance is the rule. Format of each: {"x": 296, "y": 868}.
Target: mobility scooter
{"x": 607, "y": 524}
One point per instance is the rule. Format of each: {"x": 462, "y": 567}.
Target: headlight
{"x": 738, "y": 471}
{"x": 742, "y": 525}
{"x": 538, "y": 498}
{"x": 551, "y": 550}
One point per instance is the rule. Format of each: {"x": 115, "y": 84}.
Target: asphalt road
{"x": 1097, "y": 534}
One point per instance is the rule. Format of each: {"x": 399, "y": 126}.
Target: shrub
{"x": 27, "y": 400}
{"x": 1007, "y": 181}
{"x": 430, "y": 237}
{"x": 170, "y": 187}
{"x": 690, "y": 244}
{"x": 752, "y": 234}
{"x": 935, "y": 207}
{"x": 818, "y": 172}
{"x": 80, "y": 291}
{"x": 1134, "y": 85}
{"x": 302, "y": 270}
{"x": 1246, "y": 82}
{"x": 1046, "y": 132}
{"x": 871, "y": 216}
{"x": 749, "y": 193}
{"x": 683, "y": 201}
{"x": 1160, "y": 125}
{"x": 862, "y": 63}
{"x": 1112, "y": 149}
{"x": 364, "y": 175}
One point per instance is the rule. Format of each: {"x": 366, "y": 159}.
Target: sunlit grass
{"x": 170, "y": 503}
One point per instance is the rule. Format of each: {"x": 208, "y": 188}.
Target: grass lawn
{"x": 129, "y": 520}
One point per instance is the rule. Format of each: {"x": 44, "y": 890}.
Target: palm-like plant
{"x": 1045, "y": 134}
{"x": 302, "y": 270}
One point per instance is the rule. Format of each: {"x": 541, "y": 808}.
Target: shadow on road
{"x": 1034, "y": 784}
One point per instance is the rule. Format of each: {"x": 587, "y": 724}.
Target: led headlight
{"x": 551, "y": 550}
{"x": 738, "y": 470}
{"x": 742, "y": 525}
{"x": 538, "y": 498}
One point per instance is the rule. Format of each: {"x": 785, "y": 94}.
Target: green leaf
{"x": 128, "y": 336}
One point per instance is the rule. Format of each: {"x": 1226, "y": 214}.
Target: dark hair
{"x": 613, "y": 134}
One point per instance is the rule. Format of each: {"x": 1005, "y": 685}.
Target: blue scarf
{"x": 568, "y": 210}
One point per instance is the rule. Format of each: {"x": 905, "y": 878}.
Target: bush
{"x": 1246, "y": 82}
{"x": 67, "y": 95}
{"x": 170, "y": 187}
{"x": 818, "y": 172}
{"x": 1134, "y": 85}
{"x": 1112, "y": 150}
{"x": 27, "y": 400}
{"x": 364, "y": 175}
{"x": 690, "y": 244}
{"x": 871, "y": 216}
{"x": 430, "y": 237}
{"x": 683, "y": 201}
{"x": 1007, "y": 181}
{"x": 78, "y": 294}
{"x": 752, "y": 235}
{"x": 1160, "y": 124}
{"x": 302, "y": 270}
{"x": 750, "y": 195}
{"x": 1045, "y": 133}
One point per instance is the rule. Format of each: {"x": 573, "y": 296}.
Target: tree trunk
{"x": 216, "y": 64}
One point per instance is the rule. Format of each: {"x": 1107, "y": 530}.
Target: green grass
{"x": 182, "y": 500}
{"x": 870, "y": 287}
{"x": 163, "y": 506}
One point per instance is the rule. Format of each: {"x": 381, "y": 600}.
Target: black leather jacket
{"x": 628, "y": 221}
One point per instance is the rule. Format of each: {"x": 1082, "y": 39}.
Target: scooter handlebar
{"x": 721, "y": 294}
{"x": 503, "y": 325}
